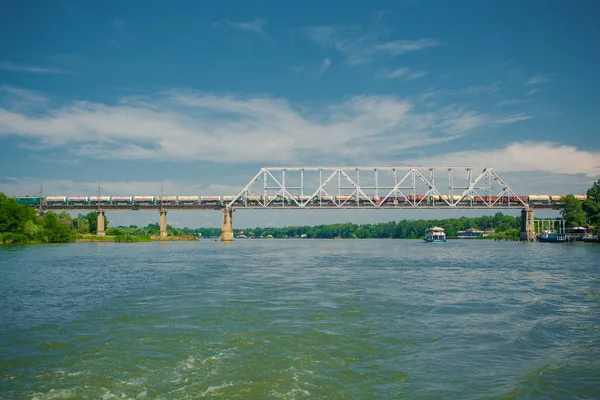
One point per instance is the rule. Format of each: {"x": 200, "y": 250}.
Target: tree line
{"x": 586, "y": 213}
{"x": 20, "y": 223}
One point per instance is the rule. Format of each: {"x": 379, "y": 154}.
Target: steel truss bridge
{"x": 391, "y": 187}
{"x": 450, "y": 187}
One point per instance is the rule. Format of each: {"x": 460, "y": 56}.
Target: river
{"x": 293, "y": 319}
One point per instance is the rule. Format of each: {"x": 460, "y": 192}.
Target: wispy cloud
{"x": 540, "y": 78}
{"x": 255, "y": 26}
{"x": 362, "y": 46}
{"x": 22, "y": 97}
{"x": 416, "y": 75}
{"x": 191, "y": 126}
{"x": 10, "y": 66}
{"x": 325, "y": 64}
{"x": 511, "y": 102}
{"x": 480, "y": 89}
{"x": 532, "y": 92}
{"x": 404, "y": 73}
{"x": 528, "y": 156}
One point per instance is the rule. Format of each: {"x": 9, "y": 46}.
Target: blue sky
{"x": 200, "y": 95}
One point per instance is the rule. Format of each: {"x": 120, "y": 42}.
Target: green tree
{"x": 82, "y": 224}
{"x": 591, "y": 205}
{"x": 33, "y": 230}
{"x": 572, "y": 211}
{"x": 56, "y": 231}
{"x": 65, "y": 218}
{"x": 13, "y": 215}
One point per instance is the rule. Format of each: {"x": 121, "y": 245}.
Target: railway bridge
{"x": 330, "y": 188}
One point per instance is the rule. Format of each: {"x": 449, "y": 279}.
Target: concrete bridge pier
{"x": 527, "y": 227}
{"x": 100, "y": 225}
{"x": 227, "y": 226}
{"x": 163, "y": 223}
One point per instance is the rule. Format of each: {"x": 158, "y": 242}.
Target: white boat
{"x": 435, "y": 235}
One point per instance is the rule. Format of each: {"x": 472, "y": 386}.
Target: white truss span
{"x": 377, "y": 187}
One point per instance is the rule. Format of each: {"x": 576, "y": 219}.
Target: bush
{"x": 13, "y": 238}
{"x": 132, "y": 239}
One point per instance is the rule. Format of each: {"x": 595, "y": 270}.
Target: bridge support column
{"x": 527, "y": 228}
{"x": 100, "y": 226}
{"x": 227, "y": 227}
{"x": 163, "y": 223}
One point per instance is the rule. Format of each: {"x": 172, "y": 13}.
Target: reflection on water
{"x": 300, "y": 319}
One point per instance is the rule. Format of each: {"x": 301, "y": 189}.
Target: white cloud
{"x": 417, "y": 75}
{"x": 21, "y": 97}
{"x": 362, "y": 46}
{"x": 480, "y": 89}
{"x": 10, "y": 66}
{"x": 511, "y": 102}
{"x": 540, "y": 78}
{"x": 397, "y": 73}
{"x": 405, "y": 73}
{"x": 398, "y": 47}
{"x": 188, "y": 126}
{"x": 325, "y": 64}
{"x": 527, "y": 156}
{"x": 255, "y": 26}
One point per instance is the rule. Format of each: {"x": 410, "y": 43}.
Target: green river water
{"x": 295, "y": 319}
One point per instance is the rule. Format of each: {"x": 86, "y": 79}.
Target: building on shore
{"x": 472, "y": 234}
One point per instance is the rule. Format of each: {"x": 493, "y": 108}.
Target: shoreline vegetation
{"x": 21, "y": 224}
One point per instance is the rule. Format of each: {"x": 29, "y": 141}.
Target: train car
{"x": 252, "y": 199}
{"x": 78, "y": 200}
{"x": 455, "y": 198}
{"x": 166, "y": 199}
{"x": 556, "y": 198}
{"x": 122, "y": 199}
{"x": 324, "y": 199}
{"x": 419, "y": 198}
{"x": 210, "y": 199}
{"x": 228, "y": 199}
{"x": 100, "y": 199}
{"x": 188, "y": 199}
{"x": 56, "y": 200}
{"x": 481, "y": 199}
{"x": 466, "y": 199}
{"x": 29, "y": 200}
{"x": 273, "y": 199}
{"x": 392, "y": 200}
{"x": 581, "y": 197}
{"x": 302, "y": 199}
{"x": 144, "y": 199}
{"x": 368, "y": 199}
{"x": 344, "y": 199}
{"x": 437, "y": 197}
{"x": 298, "y": 199}
{"x": 539, "y": 198}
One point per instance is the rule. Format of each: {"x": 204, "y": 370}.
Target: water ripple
{"x": 300, "y": 319}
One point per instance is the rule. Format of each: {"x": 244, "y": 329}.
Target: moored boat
{"x": 435, "y": 235}
{"x": 551, "y": 237}
{"x": 591, "y": 239}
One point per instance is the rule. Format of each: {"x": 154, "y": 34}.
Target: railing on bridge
{"x": 377, "y": 187}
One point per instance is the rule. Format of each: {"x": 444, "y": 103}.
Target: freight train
{"x": 317, "y": 200}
